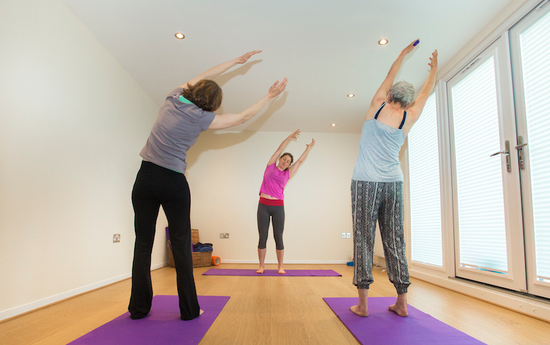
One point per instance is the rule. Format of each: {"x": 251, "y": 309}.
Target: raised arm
{"x": 300, "y": 160}
{"x": 416, "y": 109}
{"x": 216, "y": 71}
{"x": 281, "y": 147}
{"x": 382, "y": 92}
{"x": 229, "y": 120}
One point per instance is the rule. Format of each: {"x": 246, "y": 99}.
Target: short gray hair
{"x": 402, "y": 92}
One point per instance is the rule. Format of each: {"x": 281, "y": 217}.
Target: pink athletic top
{"x": 274, "y": 181}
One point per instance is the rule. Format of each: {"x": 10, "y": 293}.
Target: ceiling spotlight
{"x": 351, "y": 95}
{"x": 333, "y": 125}
{"x": 180, "y": 36}
{"x": 383, "y": 41}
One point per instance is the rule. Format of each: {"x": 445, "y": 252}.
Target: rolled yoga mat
{"x": 162, "y": 326}
{"x": 271, "y": 273}
{"x": 385, "y": 327}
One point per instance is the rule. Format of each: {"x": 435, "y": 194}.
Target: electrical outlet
{"x": 116, "y": 238}
{"x": 348, "y": 234}
{"x": 224, "y": 235}
{"x": 343, "y": 235}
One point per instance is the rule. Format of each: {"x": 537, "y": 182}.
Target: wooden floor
{"x": 275, "y": 310}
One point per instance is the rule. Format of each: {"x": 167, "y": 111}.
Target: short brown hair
{"x": 206, "y": 94}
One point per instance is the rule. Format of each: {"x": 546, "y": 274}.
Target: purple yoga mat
{"x": 161, "y": 326}
{"x": 384, "y": 327}
{"x": 271, "y": 273}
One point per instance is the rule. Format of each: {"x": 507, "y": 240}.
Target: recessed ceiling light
{"x": 180, "y": 36}
{"x": 333, "y": 125}
{"x": 383, "y": 41}
{"x": 351, "y": 95}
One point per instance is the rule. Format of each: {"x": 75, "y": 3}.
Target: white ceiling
{"x": 327, "y": 49}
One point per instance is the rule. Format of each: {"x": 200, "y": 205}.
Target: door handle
{"x": 500, "y": 153}
{"x": 520, "y": 147}
{"x": 507, "y": 153}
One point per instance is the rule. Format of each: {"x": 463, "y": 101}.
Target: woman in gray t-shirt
{"x": 186, "y": 112}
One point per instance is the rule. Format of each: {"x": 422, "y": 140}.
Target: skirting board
{"x": 508, "y": 300}
{"x": 379, "y": 261}
{"x": 303, "y": 262}
{"x": 15, "y": 311}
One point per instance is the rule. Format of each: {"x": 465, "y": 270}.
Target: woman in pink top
{"x": 271, "y": 205}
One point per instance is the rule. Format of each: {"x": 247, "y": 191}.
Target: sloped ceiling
{"x": 327, "y": 49}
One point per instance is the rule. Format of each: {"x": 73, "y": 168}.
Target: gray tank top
{"x": 379, "y": 147}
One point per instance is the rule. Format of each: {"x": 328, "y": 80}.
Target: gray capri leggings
{"x": 382, "y": 201}
{"x": 277, "y": 214}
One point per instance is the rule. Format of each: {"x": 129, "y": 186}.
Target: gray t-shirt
{"x": 177, "y": 128}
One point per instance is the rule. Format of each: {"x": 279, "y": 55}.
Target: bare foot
{"x": 201, "y": 312}
{"x": 281, "y": 271}
{"x": 400, "y": 310}
{"x": 260, "y": 270}
{"x": 359, "y": 311}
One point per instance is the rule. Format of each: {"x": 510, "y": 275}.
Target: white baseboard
{"x": 304, "y": 262}
{"x": 159, "y": 266}
{"x": 531, "y": 306}
{"x": 379, "y": 261}
{"x": 6, "y": 314}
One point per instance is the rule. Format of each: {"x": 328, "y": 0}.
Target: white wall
{"x": 72, "y": 123}
{"x": 225, "y": 173}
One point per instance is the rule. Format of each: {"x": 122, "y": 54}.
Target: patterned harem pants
{"x": 382, "y": 201}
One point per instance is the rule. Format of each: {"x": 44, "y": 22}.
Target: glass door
{"x": 530, "y": 47}
{"x": 486, "y": 192}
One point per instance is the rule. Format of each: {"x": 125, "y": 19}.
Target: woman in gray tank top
{"x": 377, "y": 182}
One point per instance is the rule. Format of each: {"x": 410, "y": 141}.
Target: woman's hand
{"x": 294, "y": 135}
{"x": 243, "y": 59}
{"x": 294, "y": 167}
{"x": 433, "y": 61}
{"x": 276, "y": 89}
{"x": 216, "y": 71}
{"x": 409, "y": 48}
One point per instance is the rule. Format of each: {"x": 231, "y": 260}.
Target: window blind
{"x": 480, "y": 201}
{"x": 535, "y": 49}
{"x": 425, "y": 203}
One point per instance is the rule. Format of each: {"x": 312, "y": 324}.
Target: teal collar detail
{"x": 184, "y": 100}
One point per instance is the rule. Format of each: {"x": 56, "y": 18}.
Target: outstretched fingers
{"x": 273, "y": 87}
{"x": 433, "y": 60}
{"x": 277, "y": 88}
{"x": 245, "y": 57}
{"x": 295, "y": 134}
